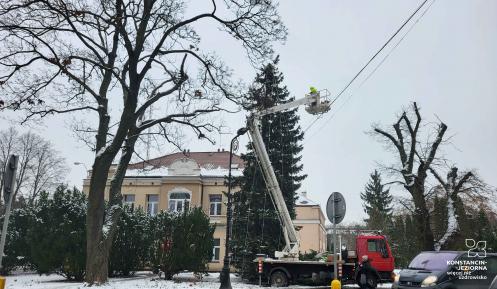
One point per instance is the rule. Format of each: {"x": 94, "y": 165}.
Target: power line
{"x": 378, "y": 52}
{"x": 372, "y": 58}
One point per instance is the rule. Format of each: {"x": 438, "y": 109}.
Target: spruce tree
{"x": 439, "y": 219}
{"x": 256, "y": 228}
{"x": 377, "y": 203}
{"x": 403, "y": 246}
{"x": 485, "y": 230}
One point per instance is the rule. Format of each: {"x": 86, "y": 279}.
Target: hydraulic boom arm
{"x": 314, "y": 105}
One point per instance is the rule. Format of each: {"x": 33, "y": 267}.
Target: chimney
{"x": 218, "y": 150}
{"x": 223, "y": 149}
{"x": 304, "y": 194}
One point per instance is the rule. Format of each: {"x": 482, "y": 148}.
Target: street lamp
{"x": 225, "y": 273}
{"x": 81, "y": 164}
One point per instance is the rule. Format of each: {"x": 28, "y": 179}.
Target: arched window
{"x": 179, "y": 201}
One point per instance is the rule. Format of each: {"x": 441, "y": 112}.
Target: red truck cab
{"x": 377, "y": 249}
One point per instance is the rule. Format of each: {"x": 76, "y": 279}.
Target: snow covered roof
{"x": 183, "y": 166}
{"x": 303, "y": 200}
{"x": 209, "y": 160}
{"x": 220, "y": 172}
{"x": 147, "y": 172}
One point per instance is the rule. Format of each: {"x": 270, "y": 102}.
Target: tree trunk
{"x": 422, "y": 218}
{"x": 96, "y": 253}
{"x": 97, "y": 267}
{"x": 98, "y": 242}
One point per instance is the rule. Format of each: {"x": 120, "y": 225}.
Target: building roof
{"x": 208, "y": 160}
{"x": 208, "y": 164}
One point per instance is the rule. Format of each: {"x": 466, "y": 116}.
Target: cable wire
{"x": 379, "y": 51}
{"x": 377, "y": 66}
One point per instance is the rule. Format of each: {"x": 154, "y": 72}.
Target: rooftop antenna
{"x": 221, "y": 133}
{"x": 148, "y": 141}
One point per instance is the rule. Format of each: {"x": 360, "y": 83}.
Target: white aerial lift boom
{"x": 316, "y": 102}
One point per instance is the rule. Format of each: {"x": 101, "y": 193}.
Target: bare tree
{"x": 455, "y": 187}
{"x": 69, "y": 56}
{"x": 415, "y": 161}
{"x": 40, "y": 166}
{"x": 47, "y": 171}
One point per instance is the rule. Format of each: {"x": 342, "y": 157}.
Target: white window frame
{"x": 129, "y": 203}
{"x": 152, "y": 207}
{"x": 218, "y": 205}
{"x": 178, "y": 205}
{"x": 218, "y": 248}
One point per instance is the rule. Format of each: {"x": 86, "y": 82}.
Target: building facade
{"x": 178, "y": 181}
{"x": 310, "y": 222}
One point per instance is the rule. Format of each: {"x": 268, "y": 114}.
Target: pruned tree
{"x": 40, "y": 165}
{"x": 415, "y": 160}
{"x": 70, "y": 56}
{"x": 454, "y": 187}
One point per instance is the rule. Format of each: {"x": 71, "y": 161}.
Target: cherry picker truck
{"x": 286, "y": 268}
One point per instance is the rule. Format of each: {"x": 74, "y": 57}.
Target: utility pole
{"x": 9, "y": 179}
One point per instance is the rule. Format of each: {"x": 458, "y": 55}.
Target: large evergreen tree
{"x": 377, "y": 203}
{"x": 403, "y": 246}
{"x": 256, "y": 228}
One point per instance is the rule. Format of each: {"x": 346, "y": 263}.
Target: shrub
{"x": 185, "y": 242}
{"x": 50, "y": 237}
{"x": 57, "y": 234}
{"x": 308, "y": 256}
{"x": 130, "y": 245}
{"x": 17, "y": 253}
{"x": 160, "y": 239}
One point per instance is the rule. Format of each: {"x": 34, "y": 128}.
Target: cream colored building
{"x": 311, "y": 224}
{"x": 181, "y": 180}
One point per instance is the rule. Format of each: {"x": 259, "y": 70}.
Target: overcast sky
{"x": 447, "y": 63}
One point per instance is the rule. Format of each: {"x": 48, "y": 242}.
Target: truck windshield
{"x": 432, "y": 261}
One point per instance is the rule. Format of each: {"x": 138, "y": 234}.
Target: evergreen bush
{"x": 57, "y": 234}
{"x": 130, "y": 245}
{"x": 185, "y": 242}
{"x": 17, "y": 253}
{"x": 50, "y": 237}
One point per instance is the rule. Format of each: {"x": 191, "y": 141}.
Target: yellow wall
{"x": 312, "y": 233}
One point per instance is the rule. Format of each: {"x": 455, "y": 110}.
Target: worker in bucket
{"x": 366, "y": 275}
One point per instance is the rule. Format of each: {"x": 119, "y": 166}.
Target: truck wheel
{"x": 279, "y": 279}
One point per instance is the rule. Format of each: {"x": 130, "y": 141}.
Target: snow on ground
{"x": 142, "y": 280}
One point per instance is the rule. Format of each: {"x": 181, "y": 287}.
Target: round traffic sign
{"x": 336, "y": 208}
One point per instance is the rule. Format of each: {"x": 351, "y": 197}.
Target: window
{"x": 216, "y": 250}
{"x": 372, "y": 246}
{"x": 152, "y": 204}
{"x": 179, "y": 202}
{"x": 215, "y": 208}
{"x": 129, "y": 199}
{"x": 432, "y": 261}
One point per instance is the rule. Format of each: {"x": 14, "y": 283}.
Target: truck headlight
{"x": 429, "y": 281}
{"x": 396, "y": 278}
